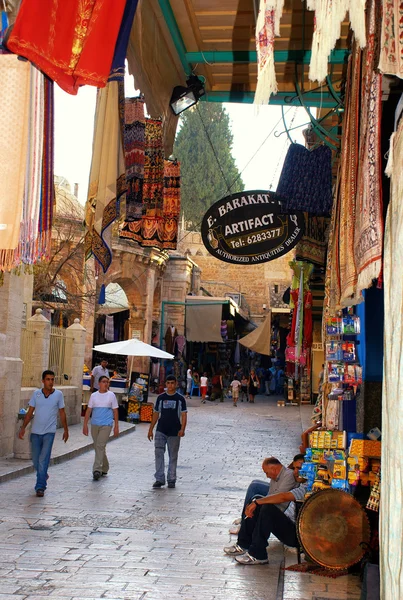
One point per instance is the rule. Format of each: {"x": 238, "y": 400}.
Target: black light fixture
{"x": 185, "y": 97}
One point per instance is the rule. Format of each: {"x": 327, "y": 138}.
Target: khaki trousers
{"x": 100, "y": 435}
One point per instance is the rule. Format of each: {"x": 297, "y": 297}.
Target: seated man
{"x": 282, "y": 480}
{"x": 260, "y": 489}
{"x": 264, "y": 517}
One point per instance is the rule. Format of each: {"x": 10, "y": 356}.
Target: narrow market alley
{"x": 118, "y": 538}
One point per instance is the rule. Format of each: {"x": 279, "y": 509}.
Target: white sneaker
{"x": 234, "y": 550}
{"x": 234, "y": 530}
{"x": 237, "y": 521}
{"x": 247, "y": 559}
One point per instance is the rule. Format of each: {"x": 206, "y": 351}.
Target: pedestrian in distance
{"x": 170, "y": 416}
{"x": 244, "y": 388}
{"x": 203, "y": 387}
{"x": 235, "y": 386}
{"x": 98, "y": 372}
{"x": 189, "y": 382}
{"x": 253, "y": 385}
{"x": 103, "y": 410}
{"x": 44, "y": 407}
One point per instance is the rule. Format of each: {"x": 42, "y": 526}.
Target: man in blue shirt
{"x": 170, "y": 412}
{"x": 44, "y": 407}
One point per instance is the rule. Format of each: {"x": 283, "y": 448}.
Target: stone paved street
{"x": 118, "y": 538}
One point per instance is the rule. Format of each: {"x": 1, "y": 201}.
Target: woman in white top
{"x": 203, "y": 387}
{"x": 189, "y": 381}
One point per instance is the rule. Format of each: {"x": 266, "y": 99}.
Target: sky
{"x": 258, "y": 148}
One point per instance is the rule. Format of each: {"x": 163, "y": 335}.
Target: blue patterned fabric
{"x": 306, "y": 180}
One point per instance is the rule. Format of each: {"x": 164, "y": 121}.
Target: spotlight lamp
{"x": 184, "y": 97}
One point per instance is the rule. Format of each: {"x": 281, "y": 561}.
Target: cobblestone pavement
{"x": 120, "y": 539}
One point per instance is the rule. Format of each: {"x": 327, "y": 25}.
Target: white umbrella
{"x": 132, "y": 347}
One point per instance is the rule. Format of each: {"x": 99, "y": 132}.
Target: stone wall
{"x": 72, "y": 400}
{"x": 255, "y": 282}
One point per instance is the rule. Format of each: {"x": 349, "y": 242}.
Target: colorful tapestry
{"x": 172, "y": 203}
{"x": 267, "y": 27}
{"x": 391, "y": 55}
{"x": 153, "y": 203}
{"x": 135, "y": 124}
{"x": 72, "y": 42}
{"x": 15, "y": 77}
{"x": 345, "y": 261}
{"x": 313, "y": 244}
{"x": 306, "y": 180}
{"x": 329, "y": 15}
{"x": 368, "y": 234}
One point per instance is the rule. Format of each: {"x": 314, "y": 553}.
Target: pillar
{"x": 76, "y": 334}
{"x": 11, "y": 311}
{"x": 40, "y": 346}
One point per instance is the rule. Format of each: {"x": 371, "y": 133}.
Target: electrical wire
{"x": 239, "y": 175}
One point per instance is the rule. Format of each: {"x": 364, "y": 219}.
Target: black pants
{"x": 255, "y": 531}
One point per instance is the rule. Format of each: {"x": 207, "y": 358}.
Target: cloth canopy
{"x": 203, "y": 322}
{"x": 132, "y": 347}
{"x": 259, "y": 339}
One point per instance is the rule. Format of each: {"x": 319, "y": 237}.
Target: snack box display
{"x": 335, "y": 372}
{"x": 351, "y": 325}
{"x": 340, "y": 484}
{"x": 334, "y": 351}
{"x": 334, "y": 325}
{"x": 366, "y": 448}
{"x": 348, "y": 351}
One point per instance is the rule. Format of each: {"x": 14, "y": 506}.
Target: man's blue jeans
{"x": 256, "y": 489}
{"x": 41, "y": 450}
{"x": 161, "y": 442}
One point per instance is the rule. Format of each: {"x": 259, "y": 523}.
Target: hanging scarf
{"x": 329, "y": 15}
{"x": 267, "y": 27}
{"x": 15, "y": 77}
{"x": 107, "y": 176}
{"x": 391, "y": 56}
{"x": 368, "y": 234}
{"x": 72, "y": 42}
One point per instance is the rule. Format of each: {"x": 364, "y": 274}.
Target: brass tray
{"x": 331, "y": 527}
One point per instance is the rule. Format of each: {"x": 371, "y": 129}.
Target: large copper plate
{"x": 331, "y": 526}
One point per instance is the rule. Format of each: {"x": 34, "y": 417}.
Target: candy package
{"x": 334, "y": 326}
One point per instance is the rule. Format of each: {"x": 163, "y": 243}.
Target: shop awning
{"x": 259, "y": 339}
{"x": 203, "y": 319}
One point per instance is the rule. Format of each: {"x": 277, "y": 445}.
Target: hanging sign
{"x": 250, "y": 228}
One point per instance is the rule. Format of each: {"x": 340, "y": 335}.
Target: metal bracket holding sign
{"x": 248, "y": 228}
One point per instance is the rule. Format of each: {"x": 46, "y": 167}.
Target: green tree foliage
{"x": 208, "y": 170}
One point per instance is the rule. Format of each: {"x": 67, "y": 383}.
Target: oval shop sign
{"x": 250, "y": 228}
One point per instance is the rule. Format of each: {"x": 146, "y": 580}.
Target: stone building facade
{"x": 259, "y": 287}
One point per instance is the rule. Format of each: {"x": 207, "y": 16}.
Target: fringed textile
{"x": 345, "y": 261}
{"x": 391, "y": 55}
{"x": 15, "y": 76}
{"x": 267, "y": 27}
{"x": 329, "y": 15}
{"x": 72, "y": 42}
{"x": 48, "y": 186}
{"x": 368, "y": 234}
{"x": 392, "y": 414}
{"x": 107, "y": 176}
{"x": 306, "y": 180}
{"x": 313, "y": 244}
{"x": 33, "y": 173}
{"x": 134, "y": 142}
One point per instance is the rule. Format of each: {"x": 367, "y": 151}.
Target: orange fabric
{"x": 72, "y": 42}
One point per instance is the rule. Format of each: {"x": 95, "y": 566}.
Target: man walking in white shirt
{"x": 98, "y": 372}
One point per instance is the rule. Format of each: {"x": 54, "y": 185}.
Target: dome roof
{"x": 67, "y": 205}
